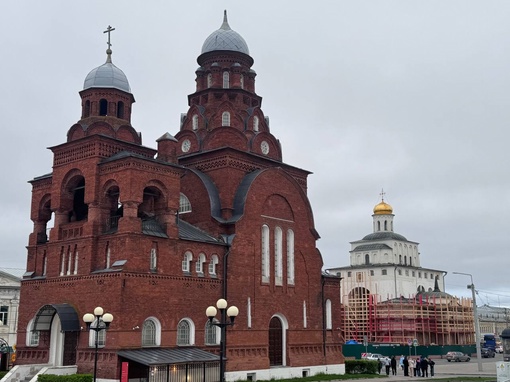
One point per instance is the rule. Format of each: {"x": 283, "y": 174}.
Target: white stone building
{"x": 9, "y": 302}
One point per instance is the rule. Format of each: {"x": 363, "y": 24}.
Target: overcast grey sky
{"x": 409, "y": 96}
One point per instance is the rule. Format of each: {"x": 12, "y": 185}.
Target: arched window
{"x": 226, "y": 80}
{"x": 185, "y": 333}
{"x": 212, "y": 265}
{"x": 101, "y": 336}
{"x": 120, "y": 110}
{"x": 265, "y": 253}
{"x": 86, "y": 112}
{"x": 255, "y": 123}
{"x": 278, "y": 256}
{"x": 195, "y": 122}
{"x": 186, "y": 262}
{"x": 241, "y": 81}
{"x": 209, "y": 80}
{"x": 225, "y": 119}
{"x": 367, "y": 259}
{"x": 385, "y": 225}
{"x": 103, "y": 107}
{"x": 400, "y": 259}
{"x": 290, "y": 257}
{"x": 329, "y": 320}
{"x": 32, "y": 335}
{"x": 378, "y": 226}
{"x": 212, "y": 333}
{"x": 184, "y": 204}
{"x": 405, "y": 260}
{"x": 200, "y": 263}
{"x": 151, "y": 332}
{"x": 154, "y": 257}
{"x": 107, "y": 256}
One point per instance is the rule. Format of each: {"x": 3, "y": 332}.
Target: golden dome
{"x": 383, "y": 209}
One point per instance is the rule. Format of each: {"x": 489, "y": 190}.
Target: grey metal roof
{"x": 370, "y": 247}
{"x": 107, "y": 76}
{"x": 384, "y": 235}
{"x": 190, "y": 232}
{"x": 68, "y": 318}
{"x": 225, "y": 39}
{"x": 158, "y": 356}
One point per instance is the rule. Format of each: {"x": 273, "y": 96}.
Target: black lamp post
{"x": 97, "y": 322}
{"x": 505, "y": 339}
{"x": 232, "y": 313}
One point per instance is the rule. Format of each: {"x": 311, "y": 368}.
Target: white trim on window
{"x": 265, "y": 255}
{"x": 226, "y": 80}
{"x": 278, "y": 256}
{"x": 151, "y": 332}
{"x": 290, "y": 257}
{"x": 199, "y": 265}
{"x": 186, "y": 261}
{"x": 212, "y": 265}
{"x": 225, "y": 119}
{"x": 185, "y": 332}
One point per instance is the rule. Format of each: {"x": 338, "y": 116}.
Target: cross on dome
{"x": 109, "y": 50}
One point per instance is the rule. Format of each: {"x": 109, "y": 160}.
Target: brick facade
{"x": 114, "y": 202}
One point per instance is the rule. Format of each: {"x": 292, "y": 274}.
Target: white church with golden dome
{"x": 388, "y": 297}
{"x": 386, "y": 263}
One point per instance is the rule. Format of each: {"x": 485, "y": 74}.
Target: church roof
{"x": 384, "y": 235}
{"x": 370, "y": 247}
{"x": 225, "y": 39}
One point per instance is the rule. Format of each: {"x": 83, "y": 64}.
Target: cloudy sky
{"x": 409, "y": 96}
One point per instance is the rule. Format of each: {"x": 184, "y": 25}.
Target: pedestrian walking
{"x": 417, "y": 368}
{"x": 424, "y": 365}
{"x": 405, "y": 362}
{"x": 387, "y": 365}
{"x": 431, "y": 364}
{"x": 412, "y": 364}
{"x": 393, "y": 363}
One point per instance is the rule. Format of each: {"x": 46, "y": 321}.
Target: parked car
{"x": 374, "y": 357}
{"x": 488, "y": 353}
{"x": 457, "y": 356}
{"x": 499, "y": 349}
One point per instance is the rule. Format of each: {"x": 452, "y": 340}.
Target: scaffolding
{"x": 429, "y": 317}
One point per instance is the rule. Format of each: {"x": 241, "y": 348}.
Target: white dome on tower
{"x": 225, "y": 39}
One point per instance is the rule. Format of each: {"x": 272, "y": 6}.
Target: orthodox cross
{"x": 108, "y": 30}
{"x": 382, "y": 194}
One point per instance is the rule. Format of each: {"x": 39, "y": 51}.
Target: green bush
{"x": 65, "y": 378}
{"x": 360, "y": 366}
{"x": 2, "y": 374}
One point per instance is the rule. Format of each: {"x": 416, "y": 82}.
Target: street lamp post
{"x": 232, "y": 313}
{"x": 97, "y": 322}
{"x": 477, "y": 321}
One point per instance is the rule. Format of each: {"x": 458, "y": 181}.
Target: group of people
{"x": 417, "y": 367}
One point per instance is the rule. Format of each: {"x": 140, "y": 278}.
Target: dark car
{"x": 488, "y": 353}
{"x": 457, "y": 356}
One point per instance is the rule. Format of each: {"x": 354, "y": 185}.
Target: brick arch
{"x": 128, "y": 134}
{"x": 44, "y": 211}
{"x": 72, "y": 196}
{"x": 76, "y": 131}
{"x": 101, "y": 128}
{"x": 278, "y": 206}
{"x": 225, "y": 136}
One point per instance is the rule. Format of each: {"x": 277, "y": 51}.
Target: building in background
{"x": 155, "y": 236}
{"x": 493, "y": 319}
{"x": 10, "y": 283}
{"x": 388, "y": 297}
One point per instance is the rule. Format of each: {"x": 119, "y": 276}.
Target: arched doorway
{"x": 275, "y": 342}
{"x": 60, "y": 322}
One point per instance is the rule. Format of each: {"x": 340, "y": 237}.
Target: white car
{"x": 374, "y": 357}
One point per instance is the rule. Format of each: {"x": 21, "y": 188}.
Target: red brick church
{"x": 155, "y": 236}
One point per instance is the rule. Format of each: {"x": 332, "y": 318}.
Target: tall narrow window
{"x": 103, "y": 107}
{"x": 120, "y": 110}
{"x": 45, "y": 264}
{"x": 212, "y": 265}
{"x": 385, "y": 225}
{"x": 107, "y": 255}
{"x": 186, "y": 262}
{"x": 290, "y": 257}
{"x": 241, "y": 81}
{"x": 200, "y": 263}
{"x": 255, "y": 123}
{"x": 305, "y": 323}
{"x": 209, "y": 80}
{"x": 329, "y": 320}
{"x": 211, "y": 333}
{"x": 278, "y": 256}
{"x": 4, "y": 314}
{"x": 154, "y": 257}
{"x": 226, "y": 80}
{"x": 225, "y": 119}
{"x": 248, "y": 312}
{"x": 367, "y": 259}
{"x": 101, "y": 336}
{"x": 195, "y": 122}
{"x": 265, "y": 253}
{"x": 75, "y": 271}
{"x": 62, "y": 261}
{"x": 69, "y": 260}
{"x": 32, "y": 335}
{"x": 86, "y": 112}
